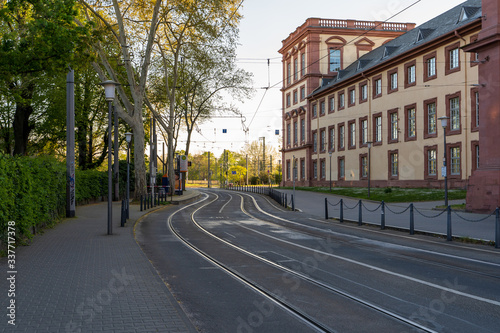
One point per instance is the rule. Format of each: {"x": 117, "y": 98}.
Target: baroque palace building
{"x": 362, "y": 100}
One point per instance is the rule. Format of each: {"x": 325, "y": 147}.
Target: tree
{"x": 38, "y": 39}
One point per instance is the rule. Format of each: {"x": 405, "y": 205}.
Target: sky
{"x": 264, "y": 25}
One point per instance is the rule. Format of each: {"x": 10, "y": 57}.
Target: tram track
{"x": 188, "y": 239}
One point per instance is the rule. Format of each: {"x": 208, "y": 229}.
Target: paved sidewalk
{"x": 76, "y": 278}
{"x": 477, "y": 226}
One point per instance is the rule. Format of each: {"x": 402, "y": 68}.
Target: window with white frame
{"x": 302, "y": 169}
{"x": 364, "y": 131}
{"x": 315, "y": 110}
{"x": 288, "y": 73}
{"x": 431, "y": 118}
{"x": 295, "y": 133}
{"x": 394, "y": 81}
{"x": 352, "y": 134}
{"x": 303, "y": 64}
{"x": 477, "y": 156}
{"x": 352, "y": 96}
{"x": 378, "y": 129}
{"x": 341, "y": 137}
{"x": 331, "y": 142}
{"x": 432, "y": 162}
{"x": 364, "y": 92}
{"x": 322, "y": 140}
{"x": 332, "y": 104}
{"x": 394, "y": 126}
{"x": 431, "y": 66}
{"x": 394, "y": 164}
{"x": 341, "y": 101}
{"x": 323, "y": 169}
{"x": 302, "y": 130}
{"x": 454, "y": 58}
{"x": 454, "y": 113}
{"x": 476, "y": 96}
{"x": 335, "y": 64}
{"x": 315, "y": 142}
{"x": 378, "y": 87}
{"x": 296, "y": 69}
{"x": 412, "y": 123}
{"x": 364, "y": 166}
{"x": 411, "y": 74}
{"x": 288, "y": 134}
{"x": 322, "y": 108}
{"x": 455, "y": 160}
{"x": 315, "y": 170}
{"x": 302, "y": 93}
{"x": 342, "y": 168}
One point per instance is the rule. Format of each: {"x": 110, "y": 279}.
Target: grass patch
{"x": 392, "y": 194}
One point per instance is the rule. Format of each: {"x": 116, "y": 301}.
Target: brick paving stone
{"x": 76, "y": 278}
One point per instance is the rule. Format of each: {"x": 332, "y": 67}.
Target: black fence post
{"x": 341, "y": 210}
{"x": 497, "y": 228}
{"x": 412, "y": 224}
{"x": 360, "y": 214}
{"x": 326, "y": 209}
{"x": 123, "y": 215}
{"x": 382, "y": 216}
{"x": 448, "y": 225}
{"x": 293, "y": 204}
{"x": 286, "y": 200}
{"x": 141, "y": 202}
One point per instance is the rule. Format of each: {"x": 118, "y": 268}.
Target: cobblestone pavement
{"x": 76, "y": 278}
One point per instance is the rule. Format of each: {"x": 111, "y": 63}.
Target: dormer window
{"x": 389, "y": 50}
{"x": 467, "y": 12}
{"x": 423, "y": 34}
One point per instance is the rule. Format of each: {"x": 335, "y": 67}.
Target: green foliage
{"x": 33, "y": 192}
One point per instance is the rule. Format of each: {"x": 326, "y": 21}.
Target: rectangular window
{"x": 303, "y": 63}
{"x": 411, "y": 74}
{"x": 477, "y": 156}
{"x": 454, "y": 58}
{"x": 315, "y": 142}
{"x": 364, "y": 166}
{"x": 331, "y": 139}
{"x": 378, "y": 129}
{"x": 394, "y": 81}
{"x": 341, "y": 168}
{"x": 394, "y": 164}
{"x": 455, "y": 113}
{"x": 288, "y": 73}
{"x": 476, "y": 97}
{"x": 341, "y": 101}
{"x": 302, "y": 130}
{"x": 432, "y": 162}
{"x": 352, "y": 135}
{"x": 364, "y": 131}
{"x": 322, "y": 140}
{"x": 334, "y": 60}
{"x": 364, "y": 92}
{"x": 431, "y": 118}
{"x": 455, "y": 160}
{"x": 378, "y": 87}
{"x": 302, "y": 93}
{"x": 341, "y": 137}
{"x": 295, "y": 133}
{"x": 322, "y": 108}
{"x": 302, "y": 169}
{"x": 295, "y": 97}
{"x": 394, "y": 126}
{"x": 332, "y": 104}
{"x": 288, "y": 173}
{"x": 411, "y": 123}
{"x": 323, "y": 169}
{"x": 296, "y": 69}
{"x": 352, "y": 96}
{"x": 431, "y": 67}
{"x": 288, "y": 100}
{"x": 315, "y": 170}
{"x": 288, "y": 134}
{"x": 315, "y": 111}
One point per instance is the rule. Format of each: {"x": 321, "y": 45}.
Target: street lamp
{"x": 109, "y": 90}
{"x": 444, "y": 171}
{"x": 369, "y": 143}
{"x": 128, "y": 137}
{"x": 330, "y": 170}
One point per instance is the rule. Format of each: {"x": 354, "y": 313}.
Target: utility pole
{"x": 247, "y": 168}
{"x": 70, "y": 144}
{"x": 209, "y": 172}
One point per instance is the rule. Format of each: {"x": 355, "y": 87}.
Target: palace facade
{"x": 362, "y": 101}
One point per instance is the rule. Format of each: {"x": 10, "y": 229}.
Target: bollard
{"x": 141, "y": 202}
{"x": 448, "y": 227}
{"x": 123, "y": 215}
{"x": 293, "y": 204}
{"x": 497, "y": 228}
{"x": 341, "y": 210}
{"x": 360, "y": 214}
{"x": 127, "y": 206}
{"x": 412, "y": 225}
{"x": 286, "y": 200}
{"x": 326, "y": 209}
{"x": 382, "y": 216}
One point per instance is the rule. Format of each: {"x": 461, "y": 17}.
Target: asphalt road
{"x": 237, "y": 263}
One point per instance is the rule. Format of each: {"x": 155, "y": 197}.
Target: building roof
{"x": 449, "y": 21}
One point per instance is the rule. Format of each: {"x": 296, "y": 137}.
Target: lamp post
{"x": 330, "y": 170}
{"x": 444, "y": 171}
{"x": 128, "y": 137}
{"x": 369, "y": 143}
{"x": 109, "y": 90}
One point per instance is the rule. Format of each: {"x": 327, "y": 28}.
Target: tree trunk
{"x": 21, "y": 125}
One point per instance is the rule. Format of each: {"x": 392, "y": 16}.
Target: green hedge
{"x": 33, "y": 192}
